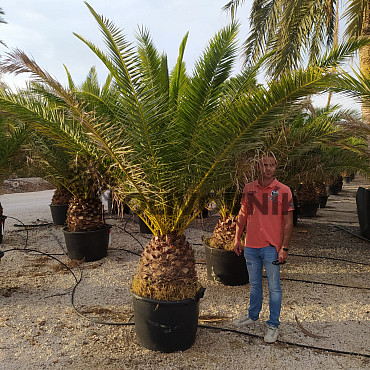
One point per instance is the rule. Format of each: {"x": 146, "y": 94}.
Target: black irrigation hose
{"x": 25, "y": 227}
{"x": 132, "y": 236}
{"x": 286, "y": 342}
{"x": 330, "y": 258}
{"x": 322, "y": 283}
{"x": 45, "y": 254}
{"x": 125, "y": 250}
{"x": 352, "y": 233}
{"x": 58, "y": 242}
{"x": 33, "y": 225}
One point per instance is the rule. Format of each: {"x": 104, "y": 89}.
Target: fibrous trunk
{"x": 61, "y": 196}
{"x": 85, "y": 215}
{"x": 223, "y": 234}
{"x": 167, "y": 269}
{"x": 364, "y": 54}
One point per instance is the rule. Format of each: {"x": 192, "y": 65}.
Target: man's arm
{"x": 240, "y": 225}
{"x": 287, "y": 233}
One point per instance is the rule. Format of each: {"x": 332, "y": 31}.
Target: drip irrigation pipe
{"x": 25, "y": 227}
{"x": 321, "y": 283}
{"x": 132, "y": 236}
{"x": 125, "y": 250}
{"x": 47, "y": 255}
{"x": 352, "y": 233}
{"x": 33, "y": 225}
{"x": 288, "y": 343}
{"x": 58, "y": 242}
{"x": 329, "y": 258}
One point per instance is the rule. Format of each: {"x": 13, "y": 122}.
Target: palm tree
{"x": 297, "y": 29}
{"x": 2, "y": 20}
{"x": 13, "y": 135}
{"x": 168, "y": 138}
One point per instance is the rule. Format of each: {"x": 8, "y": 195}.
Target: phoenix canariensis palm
{"x": 174, "y": 136}
{"x": 13, "y": 135}
{"x": 299, "y": 29}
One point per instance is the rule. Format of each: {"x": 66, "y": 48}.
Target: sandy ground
{"x": 39, "y": 328}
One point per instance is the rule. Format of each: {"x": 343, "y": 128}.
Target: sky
{"x": 44, "y": 30}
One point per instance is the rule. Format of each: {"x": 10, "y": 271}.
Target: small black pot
{"x": 335, "y": 189}
{"x": 2, "y": 227}
{"x": 166, "y": 326}
{"x": 59, "y": 213}
{"x": 309, "y": 209}
{"x": 323, "y": 200}
{"x": 88, "y": 245}
{"x": 226, "y": 266}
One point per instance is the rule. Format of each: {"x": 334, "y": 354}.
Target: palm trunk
{"x": 166, "y": 270}
{"x": 364, "y": 54}
{"x": 335, "y": 43}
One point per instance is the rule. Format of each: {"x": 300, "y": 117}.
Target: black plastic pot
{"x": 144, "y": 229}
{"x": 323, "y": 200}
{"x": 88, "y": 245}
{"x": 309, "y": 209}
{"x": 335, "y": 189}
{"x": 59, "y": 213}
{"x": 1, "y": 254}
{"x": 363, "y": 210}
{"x": 2, "y": 226}
{"x": 166, "y": 326}
{"x": 226, "y": 266}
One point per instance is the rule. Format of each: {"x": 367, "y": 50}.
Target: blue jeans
{"x": 257, "y": 258}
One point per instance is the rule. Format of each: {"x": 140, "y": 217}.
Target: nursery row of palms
{"x": 167, "y": 142}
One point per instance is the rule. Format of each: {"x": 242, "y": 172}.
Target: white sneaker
{"x": 271, "y": 334}
{"x": 243, "y": 321}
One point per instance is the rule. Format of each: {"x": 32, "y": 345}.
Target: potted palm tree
{"x": 223, "y": 264}
{"x": 166, "y": 139}
{"x": 59, "y": 205}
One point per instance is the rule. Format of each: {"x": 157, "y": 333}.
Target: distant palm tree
{"x": 168, "y": 138}
{"x": 295, "y": 29}
{"x": 2, "y": 20}
{"x": 13, "y": 135}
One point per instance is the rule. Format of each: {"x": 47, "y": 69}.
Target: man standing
{"x": 266, "y": 208}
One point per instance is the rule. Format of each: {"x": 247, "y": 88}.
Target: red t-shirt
{"x": 265, "y": 209}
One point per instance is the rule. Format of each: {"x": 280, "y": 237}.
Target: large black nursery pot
{"x": 59, "y": 213}
{"x": 226, "y": 266}
{"x": 166, "y": 326}
{"x": 2, "y": 224}
{"x": 309, "y": 209}
{"x": 88, "y": 245}
{"x": 363, "y": 210}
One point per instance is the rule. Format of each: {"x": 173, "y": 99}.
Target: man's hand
{"x": 283, "y": 255}
{"x": 238, "y": 249}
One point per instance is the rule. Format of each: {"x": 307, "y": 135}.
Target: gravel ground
{"x": 41, "y": 330}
